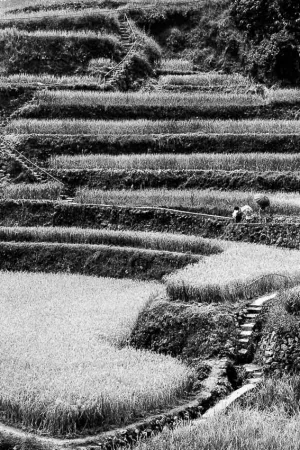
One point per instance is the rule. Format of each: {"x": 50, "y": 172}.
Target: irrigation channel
{"x": 127, "y": 436}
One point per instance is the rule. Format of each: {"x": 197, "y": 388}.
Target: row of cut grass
{"x": 204, "y": 201}
{"x": 176, "y": 65}
{"x": 207, "y": 201}
{"x": 24, "y": 79}
{"x": 73, "y": 34}
{"x": 60, "y": 369}
{"x": 35, "y": 191}
{"x": 241, "y": 271}
{"x": 206, "y": 79}
{"x": 71, "y": 235}
{"x": 92, "y": 19}
{"x": 168, "y": 161}
{"x": 142, "y": 127}
{"x": 132, "y": 99}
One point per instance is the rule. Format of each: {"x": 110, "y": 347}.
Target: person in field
{"x": 264, "y": 206}
{"x": 237, "y": 214}
{"x": 247, "y": 212}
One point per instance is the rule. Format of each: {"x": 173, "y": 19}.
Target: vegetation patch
{"x": 239, "y": 427}
{"x": 207, "y": 201}
{"x": 191, "y": 332}
{"x": 241, "y": 271}
{"x": 179, "y": 179}
{"x": 42, "y": 146}
{"x": 97, "y": 260}
{"x": 281, "y": 162}
{"x": 70, "y": 235}
{"x": 278, "y": 350}
{"x": 54, "y": 52}
{"x": 34, "y": 191}
{"x": 160, "y": 127}
{"x": 90, "y": 105}
{"x": 49, "y": 213}
{"x": 92, "y": 19}
{"x": 55, "y": 379}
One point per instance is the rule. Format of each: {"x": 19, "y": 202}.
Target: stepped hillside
{"x": 132, "y": 299}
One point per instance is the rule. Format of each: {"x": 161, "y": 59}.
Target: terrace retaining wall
{"x": 279, "y": 352}
{"x": 49, "y": 213}
{"x": 279, "y": 234}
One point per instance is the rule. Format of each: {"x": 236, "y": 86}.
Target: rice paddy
{"x": 34, "y": 191}
{"x": 242, "y": 271}
{"x": 207, "y": 201}
{"x": 158, "y": 127}
{"x": 85, "y": 98}
{"x": 149, "y": 240}
{"x": 206, "y": 79}
{"x": 65, "y": 364}
{"x": 196, "y": 161}
{"x": 24, "y": 79}
{"x": 62, "y": 368}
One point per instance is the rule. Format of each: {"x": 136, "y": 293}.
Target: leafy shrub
{"x": 272, "y": 31}
{"x": 99, "y": 66}
{"x": 135, "y": 70}
{"x": 291, "y": 299}
{"x": 175, "y": 40}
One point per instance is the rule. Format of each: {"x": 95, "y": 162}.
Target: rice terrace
{"x": 149, "y": 224}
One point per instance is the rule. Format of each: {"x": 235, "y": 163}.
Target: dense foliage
{"x": 273, "y": 34}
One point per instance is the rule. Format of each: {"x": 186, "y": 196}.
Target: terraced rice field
{"x": 283, "y": 162}
{"x": 242, "y": 271}
{"x": 142, "y": 127}
{"x": 62, "y": 368}
{"x": 207, "y": 201}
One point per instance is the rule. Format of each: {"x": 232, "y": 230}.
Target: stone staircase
{"x": 37, "y": 174}
{"x": 129, "y": 41}
{"x": 245, "y": 340}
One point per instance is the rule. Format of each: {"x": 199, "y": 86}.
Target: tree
{"x": 272, "y": 29}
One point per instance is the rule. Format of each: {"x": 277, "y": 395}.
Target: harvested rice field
{"x": 64, "y": 369}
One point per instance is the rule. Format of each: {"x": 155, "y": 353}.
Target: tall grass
{"x": 132, "y": 99}
{"x": 266, "y": 418}
{"x": 240, "y": 429}
{"x": 174, "y": 65}
{"x": 280, "y": 162}
{"x": 205, "y": 201}
{"x": 24, "y": 78}
{"x": 282, "y": 96}
{"x": 62, "y": 369}
{"x": 57, "y": 15}
{"x": 142, "y": 127}
{"x": 71, "y": 235}
{"x": 85, "y": 34}
{"x": 35, "y": 191}
{"x": 230, "y": 276}
{"x": 206, "y": 79}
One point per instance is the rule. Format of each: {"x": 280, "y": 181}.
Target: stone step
{"x": 251, "y": 316}
{"x": 245, "y": 333}
{"x": 252, "y": 368}
{"x": 243, "y": 352}
{"x": 254, "y": 309}
{"x": 243, "y": 342}
{"x": 248, "y": 326}
{"x": 255, "y": 380}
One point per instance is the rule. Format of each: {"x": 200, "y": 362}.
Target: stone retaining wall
{"x": 279, "y": 234}
{"x": 33, "y": 213}
{"x": 280, "y": 352}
